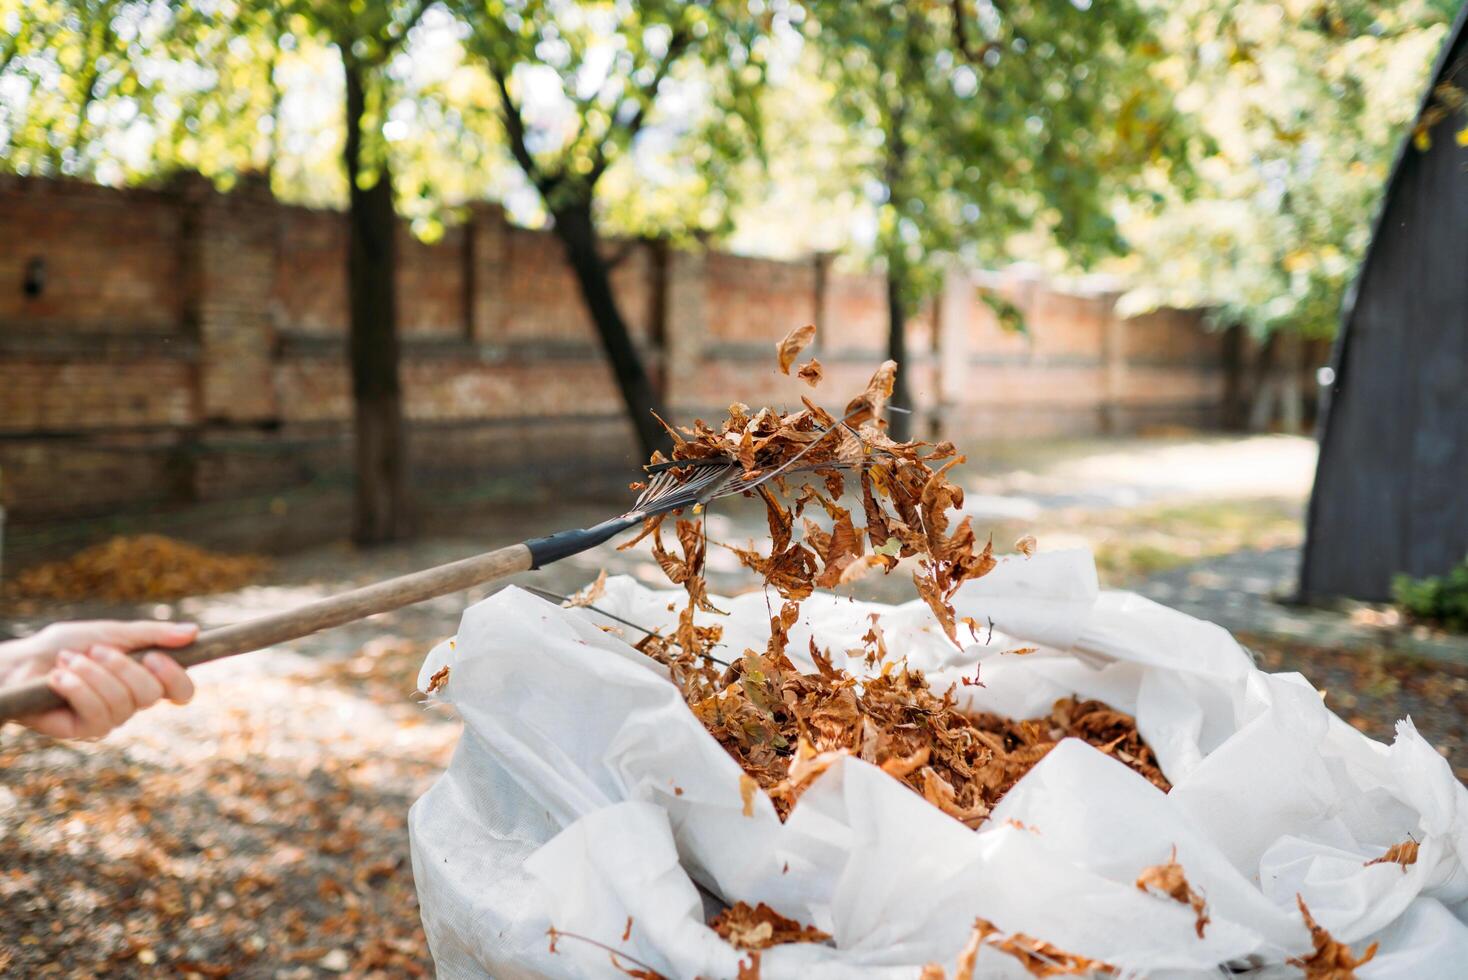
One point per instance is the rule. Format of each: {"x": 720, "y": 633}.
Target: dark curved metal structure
{"x": 1391, "y": 489}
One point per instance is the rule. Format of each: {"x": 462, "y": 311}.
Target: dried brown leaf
{"x": 591, "y": 593}
{"x": 792, "y": 344}
{"x": 810, "y": 372}
{"x": 747, "y": 789}
{"x": 1167, "y": 879}
{"x": 1404, "y": 854}
{"x": 760, "y": 927}
{"x": 1330, "y": 960}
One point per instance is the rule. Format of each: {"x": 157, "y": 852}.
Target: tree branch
{"x": 622, "y": 253}
{"x": 677, "y": 44}
{"x": 515, "y": 129}
{"x": 390, "y": 44}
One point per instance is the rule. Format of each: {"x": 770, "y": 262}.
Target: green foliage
{"x": 1299, "y": 109}
{"x": 1441, "y": 600}
{"x": 978, "y": 122}
{"x": 582, "y": 90}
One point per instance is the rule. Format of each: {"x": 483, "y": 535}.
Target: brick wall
{"x": 189, "y": 346}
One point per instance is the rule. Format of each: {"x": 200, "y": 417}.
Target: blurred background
{"x": 297, "y": 296}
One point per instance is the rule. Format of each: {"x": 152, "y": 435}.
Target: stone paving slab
{"x": 1250, "y": 592}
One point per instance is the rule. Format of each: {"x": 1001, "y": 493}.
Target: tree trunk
{"x": 1234, "y": 415}
{"x": 899, "y": 426}
{"x": 578, "y": 236}
{"x": 1266, "y": 385}
{"x": 381, "y": 511}
{"x": 1291, "y": 398}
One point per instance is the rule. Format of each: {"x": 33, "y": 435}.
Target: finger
{"x": 178, "y": 687}
{"x": 146, "y": 633}
{"x": 90, "y": 713}
{"x": 58, "y": 723}
{"x": 113, "y": 692}
{"x": 145, "y": 688}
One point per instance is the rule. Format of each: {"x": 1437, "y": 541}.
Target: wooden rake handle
{"x": 256, "y": 634}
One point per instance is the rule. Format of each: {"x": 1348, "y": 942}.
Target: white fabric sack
{"x": 584, "y": 793}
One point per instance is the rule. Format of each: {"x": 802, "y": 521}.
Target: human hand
{"x": 86, "y": 663}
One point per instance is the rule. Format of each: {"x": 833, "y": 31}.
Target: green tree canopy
{"x": 577, "y": 89}
{"x": 978, "y": 122}
{"x": 1299, "y": 108}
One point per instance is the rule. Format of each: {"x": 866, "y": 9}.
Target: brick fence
{"x": 178, "y": 345}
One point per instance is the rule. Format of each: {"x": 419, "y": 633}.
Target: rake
{"x": 671, "y": 486}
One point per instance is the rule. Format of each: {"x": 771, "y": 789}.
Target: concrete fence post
{"x": 486, "y": 258}
{"x": 229, "y": 267}
{"x": 1114, "y": 366}
{"x": 951, "y": 332}
{"x": 685, "y": 325}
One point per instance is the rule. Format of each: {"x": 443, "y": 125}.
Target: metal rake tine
{"x": 548, "y": 594}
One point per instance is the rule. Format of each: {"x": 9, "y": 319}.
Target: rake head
{"x": 705, "y": 480}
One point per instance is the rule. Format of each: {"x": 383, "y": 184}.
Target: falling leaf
{"x": 760, "y": 927}
{"x": 439, "y": 680}
{"x": 1022, "y": 651}
{"x": 811, "y": 372}
{"x": 858, "y": 569}
{"x": 1404, "y": 854}
{"x": 1167, "y": 879}
{"x": 591, "y": 593}
{"x": 1330, "y": 960}
{"x": 1025, "y": 545}
{"x": 867, "y": 407}
{"x": 792, "y": 344}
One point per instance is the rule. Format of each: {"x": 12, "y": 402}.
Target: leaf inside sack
{"x": 1404, "y": 854}
{"x": 439, "y": 680}
{"x": 1037, "y": 956}
{"x": 591, "y": 593}
{"x": 1330, "y": 960}
{"x": 760, "y": 927}
{"x": 1167, "y": 879}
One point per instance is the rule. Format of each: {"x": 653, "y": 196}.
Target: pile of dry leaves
{"x": 785, "y": 727}
{"x": 143, "y": 568}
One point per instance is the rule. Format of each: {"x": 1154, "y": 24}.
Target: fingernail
{"x": 66, "y": 678}
{"x": 66, "y": 658}
{"x": 182, "y": 629}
